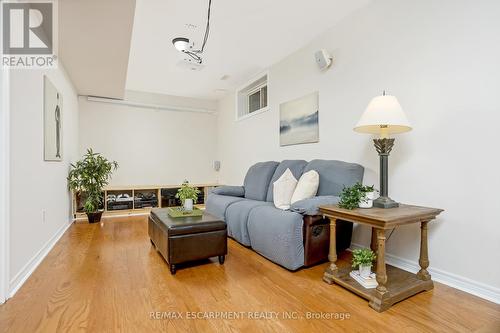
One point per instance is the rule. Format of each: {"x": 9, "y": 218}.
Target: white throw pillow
{"x": 283, "y": 190}
{"x": 307, "y": 186}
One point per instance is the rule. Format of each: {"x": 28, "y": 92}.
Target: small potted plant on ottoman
{"x": 187, "y": 194}
{"x": 87, "y": 178}
{"x": 363, "y": 259}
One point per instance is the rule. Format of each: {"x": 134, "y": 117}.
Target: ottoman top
{"x": 187, "y": 225}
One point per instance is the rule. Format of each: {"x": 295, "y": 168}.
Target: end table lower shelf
{"x": 400, "y": 285}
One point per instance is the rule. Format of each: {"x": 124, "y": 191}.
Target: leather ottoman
{"x": 183, "y": 239}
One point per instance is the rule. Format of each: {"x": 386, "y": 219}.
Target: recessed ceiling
{"x": 246, "y": 37}
{"x": 94, "y": 44}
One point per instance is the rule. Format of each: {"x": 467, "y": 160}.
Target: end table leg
{"x": 380, "y": 301}
{"x": 373, "y": 245}
{"x": 423, "y": 261}
{"x": 332, "y": 255}
{"x": 381, "y": 272}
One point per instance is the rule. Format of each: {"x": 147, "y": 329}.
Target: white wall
{"x": 440, "y": 58}
{"x": 151, "y": 146}
{"x": 4, "y": 181}
{"x": 37, "y": 188}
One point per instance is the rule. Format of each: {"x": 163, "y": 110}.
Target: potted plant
{"x": 87, "y": 178}
{"x": 356, "y": 196}
{"x": 187, "y": 194}
{"x": 368, "y": 197}
{"x": 363, "y": 259}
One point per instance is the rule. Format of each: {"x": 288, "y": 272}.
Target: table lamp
{"x": 383, "y": 116}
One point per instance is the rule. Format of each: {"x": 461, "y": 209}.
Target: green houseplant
{"x": 187, "y": 194}
{"x": 356, "y": 196}
{"x": 87, "y": 178}
{"x": 363, "y": 259}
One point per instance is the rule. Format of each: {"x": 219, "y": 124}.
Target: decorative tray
{"x": 180, "y": 212}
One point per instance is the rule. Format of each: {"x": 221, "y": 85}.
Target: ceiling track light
{"x": 183, "y": 45}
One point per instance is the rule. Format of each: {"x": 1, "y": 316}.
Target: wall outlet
{"x": 43, "y": 215}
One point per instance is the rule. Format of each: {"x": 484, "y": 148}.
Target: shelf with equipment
{"x": 137, "y": 200}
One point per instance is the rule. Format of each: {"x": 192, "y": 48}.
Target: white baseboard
{"x": 23, "y": 275}
{"x": 459, "y": 282}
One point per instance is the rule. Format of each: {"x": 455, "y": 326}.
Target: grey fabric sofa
{"x": 293, "y": 238}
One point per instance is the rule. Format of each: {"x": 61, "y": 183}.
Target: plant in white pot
{"x": 188, "y": 195}
{"x": 87, "y": 178}
{"x": 356, "y": 196}
{"x": 363, "y": 259}
{"x": 369, "y": 194}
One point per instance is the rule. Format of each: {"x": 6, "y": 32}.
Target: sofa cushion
{"x": 237, "y": 219}
{"x": 217, "y": 204}
{"x": 235, "y": 191}
{"x": 257, "y": 180}
{"x": 311, "y": 206}
{"x": 334, "y": 175}
{"x": 295, "y": 166}
{"x": 277, "y": 235}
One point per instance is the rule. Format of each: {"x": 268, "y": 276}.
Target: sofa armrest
{"x": 234, "y": 191}
{"x": 312, "y": 220}
{"x": 311, "y": 206}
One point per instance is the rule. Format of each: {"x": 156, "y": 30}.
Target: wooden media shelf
{"x": 138, "y": 199}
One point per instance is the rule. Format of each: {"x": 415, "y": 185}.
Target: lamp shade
{"x": 383, "y": 115}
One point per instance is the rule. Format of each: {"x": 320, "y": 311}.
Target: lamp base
{"x": 385, "y": 202}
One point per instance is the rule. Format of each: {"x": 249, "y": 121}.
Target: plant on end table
{"x": 87, "y": 178}
{"x": 356, "y": 196}
{"x": 187, "y": 194}
{"x": 363, "y": 259}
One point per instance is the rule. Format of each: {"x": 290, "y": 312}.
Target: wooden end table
{"x": 394, "y": 284}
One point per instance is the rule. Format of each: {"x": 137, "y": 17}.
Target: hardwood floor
{"x": 108, "y": 278}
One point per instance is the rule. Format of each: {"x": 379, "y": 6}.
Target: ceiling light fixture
{"x": 182, "y": 44}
